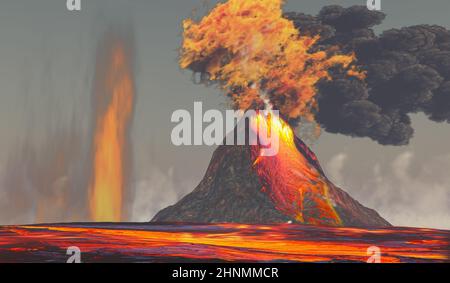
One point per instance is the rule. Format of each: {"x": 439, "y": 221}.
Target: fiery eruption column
{"x": 260, "y": 58}
{"x": 114, "y": 95}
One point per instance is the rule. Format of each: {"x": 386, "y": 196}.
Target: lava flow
{"x": 114, "y": 96}
{"x": 296, "y": 187}
{"x": 220, "y": 242}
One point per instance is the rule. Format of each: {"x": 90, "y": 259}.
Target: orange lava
{"x": 228, "y": 242}
{"x": 294, "y": 185}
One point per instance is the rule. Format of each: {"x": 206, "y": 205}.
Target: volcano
{"x": 241, "y": 186}
{"x": 260, "y": 60}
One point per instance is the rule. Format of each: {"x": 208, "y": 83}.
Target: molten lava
{"x": 115, "y": 94}
{"x": 249, "y": 48}
{"x": 220, "y": 242}
{"x": 295, "y": 186}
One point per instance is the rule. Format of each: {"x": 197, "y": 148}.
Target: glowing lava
{"x": 295, "y": 186}
{"x": 220, "y": 242}
{"x": 114, "y": 94}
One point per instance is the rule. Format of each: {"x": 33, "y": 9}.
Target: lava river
{"x": 220, "y": 242}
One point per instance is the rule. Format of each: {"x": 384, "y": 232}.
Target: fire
{"x": 115, "y": 94}
{"x": 295, "y": 186}
{"x": 249, "y": 48}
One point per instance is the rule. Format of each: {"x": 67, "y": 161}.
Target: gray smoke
{"x": 408, "y": 71}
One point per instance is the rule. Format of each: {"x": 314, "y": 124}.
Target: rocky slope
{"x": 231, "y": 191}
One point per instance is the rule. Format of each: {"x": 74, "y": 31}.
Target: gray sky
{"x": 47, "y": 56}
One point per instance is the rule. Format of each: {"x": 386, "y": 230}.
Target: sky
{"x": 48, "y": 63}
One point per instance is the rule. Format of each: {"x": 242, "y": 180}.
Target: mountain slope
{"x": 232, "y": 191}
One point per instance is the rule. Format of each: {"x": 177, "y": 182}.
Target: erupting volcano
{"x": 242, "y": 186}
{"x": 261, "y": 60}
{"x": 266, "y": 198}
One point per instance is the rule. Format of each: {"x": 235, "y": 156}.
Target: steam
{"x": 335, "y": 166}
{"x": 148, "y": 197}
{"x": 408, "y": 71}
{"x": 406, "y": 192}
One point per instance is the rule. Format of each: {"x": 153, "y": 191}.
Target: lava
{"x": 296, "y": 187}
{"x": 114, "y": 94}
{"x": 220, "y": 242}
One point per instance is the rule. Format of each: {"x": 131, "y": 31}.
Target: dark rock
{"x": 231, "y": 192}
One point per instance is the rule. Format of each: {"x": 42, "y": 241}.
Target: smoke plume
{"x": 407, "y": 69}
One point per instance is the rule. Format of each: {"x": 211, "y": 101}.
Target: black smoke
{"x": 408, "y": 71}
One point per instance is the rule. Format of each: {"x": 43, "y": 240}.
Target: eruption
{"x": 253, "y": 53}
{"x": 263, "y": 61}
{"x": 114, "y": 100}
{"x": 304, "y": 66}
{"x": 251, "y": 48}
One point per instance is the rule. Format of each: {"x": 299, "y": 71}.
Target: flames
{"x": 261, "y": 60}
{"x": 250, "y": 49}
{"x": 114, "y": 94}
{"x": 295, "y": 186}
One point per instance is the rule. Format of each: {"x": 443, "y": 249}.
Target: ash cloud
{"x": 408, "y": 71}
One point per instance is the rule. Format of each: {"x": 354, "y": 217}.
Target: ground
{"x": 128, "y": 242}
